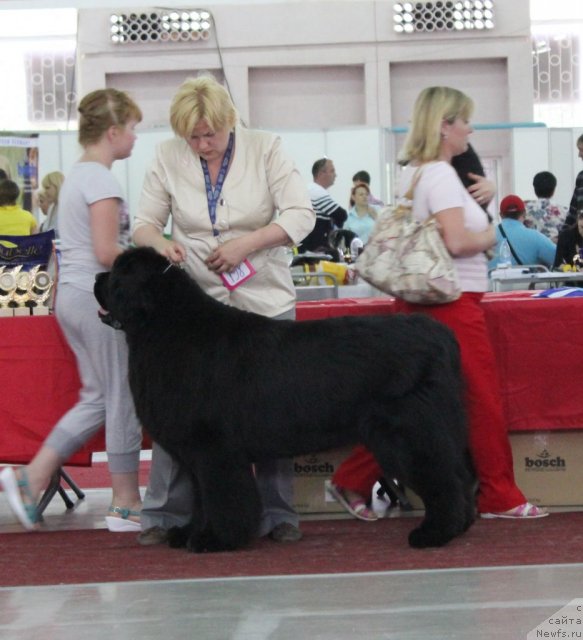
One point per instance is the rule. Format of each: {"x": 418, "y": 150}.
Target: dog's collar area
{"x": 106, "y": 318}
{"x": 170, "y": 265}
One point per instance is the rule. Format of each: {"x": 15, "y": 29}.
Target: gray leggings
{"x": 168, "y": 500}
{"x": 105, "y": 398}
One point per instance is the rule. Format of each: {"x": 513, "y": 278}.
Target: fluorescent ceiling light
{"x": 24, "y": 23}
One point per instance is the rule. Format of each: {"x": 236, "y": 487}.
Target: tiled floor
{"x": 473, "y": 604}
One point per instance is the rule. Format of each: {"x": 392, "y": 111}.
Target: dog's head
{"x": 133, "y": 289}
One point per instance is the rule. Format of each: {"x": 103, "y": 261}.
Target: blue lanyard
{"x": 212, "y": 194}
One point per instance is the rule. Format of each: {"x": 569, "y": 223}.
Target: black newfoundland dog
{"x": 220, "y": 388}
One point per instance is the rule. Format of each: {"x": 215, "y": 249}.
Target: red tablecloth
{"x": 315, "y": 310}
{"x": 38, "y": 384}
{"x": 538, "y": 348}
{"x": 536, "y": 343}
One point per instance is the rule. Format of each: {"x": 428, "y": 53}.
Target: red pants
{"x": 488, "y": 437}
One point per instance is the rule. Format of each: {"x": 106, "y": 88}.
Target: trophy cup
{"x": 7, "y": 289}
{"x": 39, "y": 292}
{"x": 20, "y": 295}
{"x": 23, "y": 293}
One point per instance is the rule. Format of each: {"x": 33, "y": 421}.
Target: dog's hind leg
{"x": 228, "y": 506}
{"x": 444, "y": 498}
{"x": 412, "y": 445}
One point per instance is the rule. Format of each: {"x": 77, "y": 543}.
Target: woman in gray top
{"x": 94, "y": 229}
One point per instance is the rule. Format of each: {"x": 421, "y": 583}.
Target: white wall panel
{"x": 305, "y": 147}
{"x": 564, "y": 162}
{"x": 353, "y": 150}
{"x": 484, "y": 80}
{"x": 531, "y": 154}
{"x": 306, "y": 96}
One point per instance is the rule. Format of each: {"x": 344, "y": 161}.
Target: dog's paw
{"x": 178, "y": 537}
{"x": 207, "y": 542}
{"x": 423, "y": 537}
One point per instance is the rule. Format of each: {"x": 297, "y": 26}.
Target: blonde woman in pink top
{"x": 439, "y": 131}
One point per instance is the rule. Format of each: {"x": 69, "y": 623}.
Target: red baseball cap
{"x": 512, "y": 204}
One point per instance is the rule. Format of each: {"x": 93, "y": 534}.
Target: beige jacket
{"x": 262, "y": 186}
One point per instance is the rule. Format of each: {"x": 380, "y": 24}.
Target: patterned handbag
{"x": 407, "y": 258}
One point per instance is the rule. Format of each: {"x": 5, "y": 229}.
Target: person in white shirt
{"x": 329, "y": 214}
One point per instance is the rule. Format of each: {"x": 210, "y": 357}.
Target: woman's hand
{"x": 228, "y": 255}
{"x": 483, "y": 190}
{"x": 172, "y": 250}
{"x": 148, "y": 235}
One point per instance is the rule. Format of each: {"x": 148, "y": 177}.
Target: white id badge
{"x": 240, "y": 274}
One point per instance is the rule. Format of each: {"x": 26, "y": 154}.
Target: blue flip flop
{"x": 27, "y": 514}
{"x": 122, "y": 523}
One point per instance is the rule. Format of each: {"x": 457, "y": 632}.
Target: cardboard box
{"x": 548, "y": 466}
{"x": 312, "y": 473}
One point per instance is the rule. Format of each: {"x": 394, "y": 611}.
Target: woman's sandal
{"x": 525, "y": 511}
{"x": 357, "y": 507}
{"x": 121, "y": 523}
{"x": 27, "y": 513}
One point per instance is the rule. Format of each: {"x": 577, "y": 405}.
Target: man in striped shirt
{"x": 329, "y": 214}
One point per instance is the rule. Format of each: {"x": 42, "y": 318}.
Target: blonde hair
{"x": 53, "y": 179}
{"x": 102, "y": 109}
{"x": 41, "y": 201}
{"x": 432, "y": 107}
{"x": 199, "y": 99}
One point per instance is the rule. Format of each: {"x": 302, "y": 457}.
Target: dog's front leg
{"x": 191, "y": 536}
{"x": 227, "y": 503}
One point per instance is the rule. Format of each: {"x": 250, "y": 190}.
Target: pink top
{"x": 437, "y": 189}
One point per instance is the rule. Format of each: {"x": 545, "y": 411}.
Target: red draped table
{"x": 538, "y": 350}
{"x": 536, "y": 342}
{"x": 38, "y": 384}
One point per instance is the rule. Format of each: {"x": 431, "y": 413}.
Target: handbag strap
{"x": 518, "y": 260}
{"x": 414, "y": 180}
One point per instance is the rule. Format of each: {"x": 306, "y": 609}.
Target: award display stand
{"x": 26, "y": 283}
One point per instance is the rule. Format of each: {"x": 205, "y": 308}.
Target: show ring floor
{"x": 346, "y": 579}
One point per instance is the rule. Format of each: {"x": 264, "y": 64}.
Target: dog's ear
{"x": 133, "y": 303}
{"x": 137, "y": 287}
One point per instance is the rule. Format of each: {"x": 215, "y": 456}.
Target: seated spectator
{"x": 569, "y": 244}
{"x": 329, "y": 214}
{"x": 362, "y": 216}
{"x": 14, "y": 221}
{"x": 542, "y": 214}
{"x": 364, "y": 176}
{"x": 528, "y": 246}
